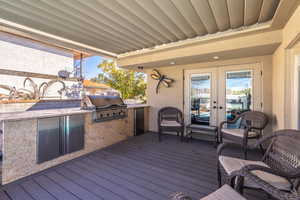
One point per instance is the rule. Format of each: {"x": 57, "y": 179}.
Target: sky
{"x": 90, "y": 68}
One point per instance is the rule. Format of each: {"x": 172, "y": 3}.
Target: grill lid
{"x": 105, "y": 101}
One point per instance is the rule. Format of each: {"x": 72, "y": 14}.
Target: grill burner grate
{"x": 105, "y": 108}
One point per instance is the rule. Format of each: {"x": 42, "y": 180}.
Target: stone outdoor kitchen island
{"x": 21, "y": 138}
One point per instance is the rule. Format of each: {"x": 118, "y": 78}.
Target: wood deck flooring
{"x": 139, "y": 168}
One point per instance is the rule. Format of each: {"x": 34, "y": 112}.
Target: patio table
{"x": 202, "y": 129}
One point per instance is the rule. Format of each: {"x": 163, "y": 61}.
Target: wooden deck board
{"x": 54, "y": 189}
{"x": 72, "y": 187}
{"x": 3, "y": 195}
{"x": 36, "y": 191}
{"x": 112, "y": 186}
{"x": 87, "y": 184}
{"x": 16, "y": 192}
{"x": 140, "y": 168}
{"x": 162, "y": 176}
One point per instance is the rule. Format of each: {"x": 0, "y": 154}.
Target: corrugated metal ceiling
{"x": 121, "y": 26}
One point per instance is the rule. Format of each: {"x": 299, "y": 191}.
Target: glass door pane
{"x": 239, "y": 92}
{"x": 200, "y": 109}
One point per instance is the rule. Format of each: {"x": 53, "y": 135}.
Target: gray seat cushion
{"x": 238, "y": 132}
{"x": 202, "y": 127}
{"x": 224, "y": 193}
{"x": 232, "y": 164}
{"x": 169, "y": 123}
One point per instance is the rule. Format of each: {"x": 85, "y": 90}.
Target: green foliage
{"x": 130, "y": 84}
{"x": 245, "y": 91}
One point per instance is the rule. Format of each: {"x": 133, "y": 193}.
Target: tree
{"x": 130, "y": 84}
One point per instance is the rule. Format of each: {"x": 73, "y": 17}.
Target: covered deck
{"x": 138, "y": 168}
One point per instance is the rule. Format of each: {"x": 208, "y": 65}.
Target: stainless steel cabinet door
{"x": 74, "y": 133}
{"x": 49, "y": 138}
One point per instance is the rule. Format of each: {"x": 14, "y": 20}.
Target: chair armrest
{"x": 229, "y": 122}
{"x": 247, "y": 172}
{"x": 264, "y": 139}
{"x": 250, "y": 168}
{"x": 181, "y": 123}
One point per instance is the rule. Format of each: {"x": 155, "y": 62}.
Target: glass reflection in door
{"x": 200, "y": 99}
{"x": 238, "y": 93}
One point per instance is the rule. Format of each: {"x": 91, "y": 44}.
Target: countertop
{"x": 15, "y": 116}
{"x": 137, "y": 105}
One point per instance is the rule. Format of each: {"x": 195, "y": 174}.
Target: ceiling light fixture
{"x": 216, "y": 57}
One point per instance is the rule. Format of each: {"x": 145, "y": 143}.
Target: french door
{"x": 216, "y": 94}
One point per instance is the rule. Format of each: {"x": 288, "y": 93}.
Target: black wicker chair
{"x": 277, "y": 173}
{"x": 250, "y": 126}
{"x": 170, "y": 119}
{"x": 248, "y": 172}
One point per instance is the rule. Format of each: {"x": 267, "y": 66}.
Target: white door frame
{"x": 220, "y": 86}
{"x": 187, "y": 96}
{"x": 256, "y": 86}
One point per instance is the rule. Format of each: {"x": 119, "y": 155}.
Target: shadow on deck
{"x": 139, "y": 168}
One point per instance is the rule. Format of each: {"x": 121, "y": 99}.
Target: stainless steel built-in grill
{"x": 105, "y": 107}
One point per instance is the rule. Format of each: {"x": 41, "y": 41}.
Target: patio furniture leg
{"x": 239, "y": 184}
{"x": 191, "y": 136}
{"x": 159, "y": 135}
{"x": 260, "y": 146}
{"x": 245, "y": 149}
{"x": 220, "y": 136}
{"x": 262, "y": 149}
{"x": 216, "y": 139}
{"x": 245, "y": 152}
{"x": 219, "y": 175}
{"x": 232, "y": 182}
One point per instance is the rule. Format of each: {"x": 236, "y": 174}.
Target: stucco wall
{"x": 25, "y": 55}
{"x": 278, "y": 88}
{"x": 174, "y": 96}
{"x": 283, "y": 74}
